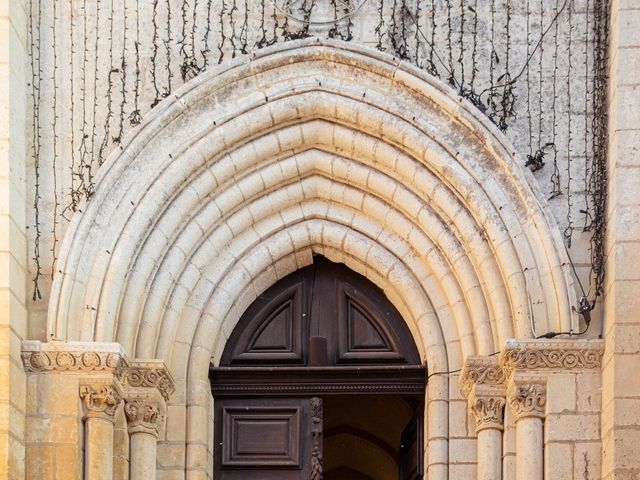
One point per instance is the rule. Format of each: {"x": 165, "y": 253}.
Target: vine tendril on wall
{"x": 518, "y": 63}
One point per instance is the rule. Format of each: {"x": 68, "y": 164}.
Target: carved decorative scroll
{"x": 73, "y": 357}
{"x": 551, "y": 354}
{"x": 481, "y": 370}
{"x": 150, "y": 374}
{"x": 316, "y": 432}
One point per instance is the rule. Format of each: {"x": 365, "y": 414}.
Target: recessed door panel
{"x": 270, "y": 438}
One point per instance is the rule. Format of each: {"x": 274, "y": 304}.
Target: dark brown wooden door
{"x": 268, "y": 439}
{"x": 323, "y": 330}
{"x": 322, "y": 315}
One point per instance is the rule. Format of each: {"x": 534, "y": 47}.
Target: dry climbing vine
{"x": 95, "y": 75}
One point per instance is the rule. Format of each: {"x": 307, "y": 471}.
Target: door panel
{"x": 326, "y": 303}
{"x": 274, "y": 439}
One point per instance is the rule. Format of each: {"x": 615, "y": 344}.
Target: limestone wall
{"x": 91, "y": 86}
{"x": 61, "y": 119}
{"x": 621, "y": 389}
{"x": 14, "y": 63}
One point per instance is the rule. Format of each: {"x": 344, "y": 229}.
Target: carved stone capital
{"x": 482, "y": 382}
{"x": 551, "y": 355}
{"x": 73, "y": 357}
{"x": 481, "y": 370}
{"x": 150, "y": 374}
{"x": 527, "y": 398}
{"x": 100, "y": 401}
{"x": 143, "y": 415}
{"x": 489, "y": 411}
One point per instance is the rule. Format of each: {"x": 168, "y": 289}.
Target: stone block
{"x": 463, "y": 450}
{"x": 68, "y": 462}
{"x": 170, "y": 474}
{"x": 561, "y": 393}
{"x": 589, "y": 392}
{"x": 458, "y": 420}
{"x": 171, "y": 455}
{"x": 572, "y": 427}
{"x": 558, "y": 460}
{"x": 58, "y": 395}
{"x": 626, "y": 412}
{"x": 626, "y": 378}
{"x": 40, "y": 463}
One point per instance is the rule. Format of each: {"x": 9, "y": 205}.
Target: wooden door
{"x": 268, "y": 439}
{"x": 325, "y": 307}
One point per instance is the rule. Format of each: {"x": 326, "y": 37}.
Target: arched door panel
{"x": 325, "y": 300}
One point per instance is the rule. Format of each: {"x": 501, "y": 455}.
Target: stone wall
{"x": 14, "y": 63}
{"x": 90, "y": 87}
{"x": 590, "y": 427}
{"x": 621, "y": 388}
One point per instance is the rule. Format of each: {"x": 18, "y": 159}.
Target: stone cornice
{"x": 150, "y": 374}
{"x": 91, "y": 359}
{"x": 551, "y": 355}
{"x": 73, "y": 357}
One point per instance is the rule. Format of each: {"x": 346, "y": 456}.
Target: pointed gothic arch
{"x": 310, "y": 147}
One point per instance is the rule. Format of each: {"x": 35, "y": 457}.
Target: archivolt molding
{"x": 310, "y": 147}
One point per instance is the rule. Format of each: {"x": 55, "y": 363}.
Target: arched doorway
{"x": 320, "y": 375}
{"x": 311, "y": 147}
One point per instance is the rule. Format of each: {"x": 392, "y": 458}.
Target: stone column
{"x": 142, "y": 419}
{"x": 100, "y": 404}
{"x": 527, "y": 400}
{"x": 482, "y": 382}
{"x": 489, "y": 413}
{"x": 148, "y": 385}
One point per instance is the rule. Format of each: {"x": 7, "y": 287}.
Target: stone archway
{"x": 310, "y": 147}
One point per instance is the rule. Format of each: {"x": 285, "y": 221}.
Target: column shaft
{"x": 143, "y": 456}
{"x": 98, "y": 449}
{"x": 490, "y": 454}
{"x": 529, "y": 449}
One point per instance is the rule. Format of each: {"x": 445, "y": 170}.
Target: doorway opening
{"x": 364, "y": 435}
{"x": 320, "y": 379}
